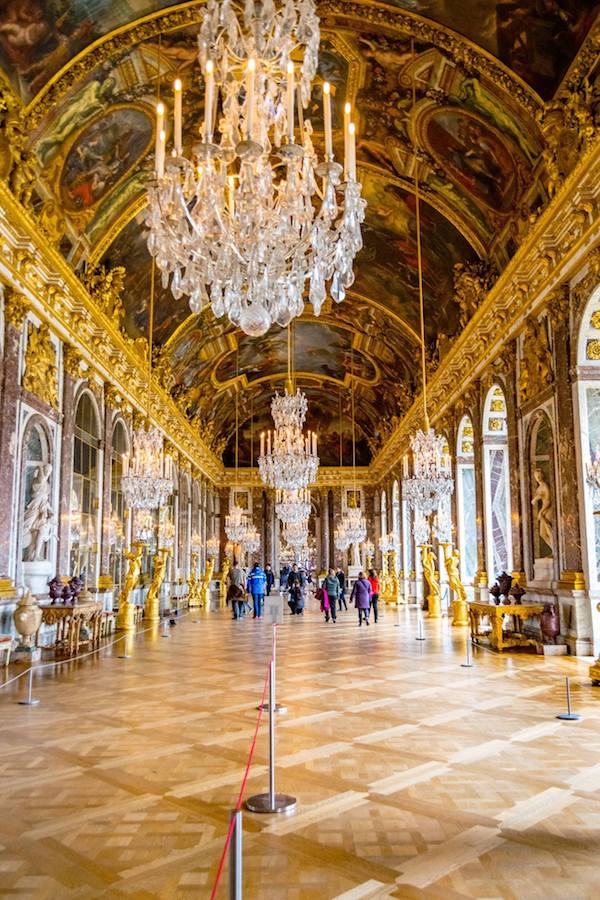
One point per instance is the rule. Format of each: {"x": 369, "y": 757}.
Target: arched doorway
{"x": 85, "y": 492}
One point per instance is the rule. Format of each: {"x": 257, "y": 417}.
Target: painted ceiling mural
{"x": 537, "y": 39}
{"x": 472, "y": 140}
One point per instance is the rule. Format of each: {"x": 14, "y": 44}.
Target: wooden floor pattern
{"x": 415, "y": 778}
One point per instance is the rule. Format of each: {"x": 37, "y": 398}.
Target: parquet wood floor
{"x": 415, "y": 778}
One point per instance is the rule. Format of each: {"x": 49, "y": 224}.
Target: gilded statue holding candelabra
{"x": 394, "y": 582}
{"x": 223, "y": 582}
{"x": 434, "y": 597}
{"x": 205, "y": 583}
{"x": 152, "y": 610}
{"x": 126, "y": 615}
{"x": 194, "y": 583}
{"x": 384, "y": 579}
{"x": 460, "y": 606}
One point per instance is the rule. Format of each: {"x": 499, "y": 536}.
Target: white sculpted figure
{"x": 545, "y": 510}
{"x": 38, "y": 517}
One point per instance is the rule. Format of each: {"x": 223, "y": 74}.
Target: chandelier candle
{"x": 160, "y": 144}
{"x": 287, "y": 227}
{"x": 177, "y": 107}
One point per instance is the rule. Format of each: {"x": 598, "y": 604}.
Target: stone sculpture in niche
{"x": 38, "y": 518}
{"x": 544, "y": 510}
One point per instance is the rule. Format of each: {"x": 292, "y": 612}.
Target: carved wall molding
{"x": 72, "y": 361}
{"x": 40, "y": 375}
{"x": 16, "y": 306}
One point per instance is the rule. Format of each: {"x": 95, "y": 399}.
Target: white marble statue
{"x": 38, "y": 518}
{"x": 542, "y": 504}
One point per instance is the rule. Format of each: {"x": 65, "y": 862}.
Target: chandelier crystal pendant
{"x": 355, "y": 525}
{"x": 288, "y": 459}
{"x": 386, "y": 543}
{"x": 251, "y": 540}
{"x": 341, "y": 540}
{"x": 250, "y": 216}
{"x": 292, "y": 506}
{"x": 147, "y": 480}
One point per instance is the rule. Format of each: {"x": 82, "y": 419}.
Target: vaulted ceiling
{"x": 87, "y": 73}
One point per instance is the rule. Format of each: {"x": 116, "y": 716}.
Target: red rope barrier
{"x": 240, "y": 798}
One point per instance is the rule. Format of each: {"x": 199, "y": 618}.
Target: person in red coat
{"x": 374, "y": 582}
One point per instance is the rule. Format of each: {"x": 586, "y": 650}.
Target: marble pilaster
{"x": 15, "y": 310}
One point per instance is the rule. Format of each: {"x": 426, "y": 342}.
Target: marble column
{"x": 337, "y": 515}
{"x": 15, "y": 310}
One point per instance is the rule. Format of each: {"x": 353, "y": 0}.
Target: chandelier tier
{"x": 251, "y": 540}
{"x": 236, "y": 524}
{"x": 292, "y": 506}
{"x": 251, "y": 215}
{"x": 147, "y": 480}
{"x": 213, "y": 546}
{"x": 355, "y": 525}
{"x": 432, "y": 479}
{"x": 288, "y": 459}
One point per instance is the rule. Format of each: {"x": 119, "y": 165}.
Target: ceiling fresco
{"x": 470, "y": 139}
{"x": 537, "y": 39}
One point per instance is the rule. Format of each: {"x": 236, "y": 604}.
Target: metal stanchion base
{"x": 468, "y": 665}
{"x": 419, "y": 639}
{"x": 35, "y": 703}
{"x": 278, "y": 708}
{"x": 568, "y": 717}
{"x": 124, "y": 656}
{"x": 261, "y": 803}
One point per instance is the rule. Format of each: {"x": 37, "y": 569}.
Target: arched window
{"x": 37, "y": 514}
{"x": 84, "y": 518}
{"x": 383, "y": 512}
{"x": 543, "y": 517}
{"x": 496, "y": 486}
{"x": 465, "y": 496}
{"x": 118, "y": 517}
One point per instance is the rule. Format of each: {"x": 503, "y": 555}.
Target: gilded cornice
{"x": 327, "y": 476}
{"x": 16, "y": 306}
{"x": 42, "y": 275}
{"x": 552, "y": 253}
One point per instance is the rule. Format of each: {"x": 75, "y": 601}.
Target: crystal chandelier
{"x": 292, "y": 506}
{"x": 386, "y": 543}
{"x": 147, "y": 480}
{"x": 196, "y": 542}
{"x": 355, "y": 525}
{"x": 369, "y": 549}
{"x": 288, "y": 460}
{"x": 296, "y": 534}
{"x": 167, "y": 534}
{"x": 213, "y": 545}
{"x": 432, "y": 481}
{"x": 236, "y": 524}
{"x": 251, "y": 540}
{"x": 144, "y": 524}
{"x": 250, "y": 215}
{"x": 341, "y": 540}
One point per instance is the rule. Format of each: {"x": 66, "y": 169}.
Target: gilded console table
{"x": 69, "y": 618}
{"x": 497, "y": 635}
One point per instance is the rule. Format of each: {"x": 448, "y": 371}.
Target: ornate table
{"x": 496, "y": 634}
{"x": 69, "y": 618}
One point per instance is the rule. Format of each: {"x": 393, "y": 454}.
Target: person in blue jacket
{"x": 256, "y": 586}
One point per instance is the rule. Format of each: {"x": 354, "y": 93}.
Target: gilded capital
{"x": 112, "y": 397}
{"x": 72, "y": 361}
{"x": 15, "y": 307}
{"x": 559, "y": 306}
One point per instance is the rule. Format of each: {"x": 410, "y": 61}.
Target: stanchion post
{"x": 272, "y": 802}
{"x": 31, "y": 701}
{"x": 281, "y": 710}
{"x": 420, "y": 636}
{"x": 569, "y": 716}
{"x": 468, "y": 664}
{"x": 235, "y": 858}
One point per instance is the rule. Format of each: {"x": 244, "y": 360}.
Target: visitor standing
{"x": 283, "y": 577}
{"x": 236, "y": 591}
{"x": 256, "y": 587}
{"x": 374, "y": 582}
{"x": 270, "y": 578}
{"x": 332, "y": 586}
{"x": 342, "y": 583}
{"x": 361, "y": 594}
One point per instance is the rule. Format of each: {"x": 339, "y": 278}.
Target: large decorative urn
{"x": 27, "y": 618}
